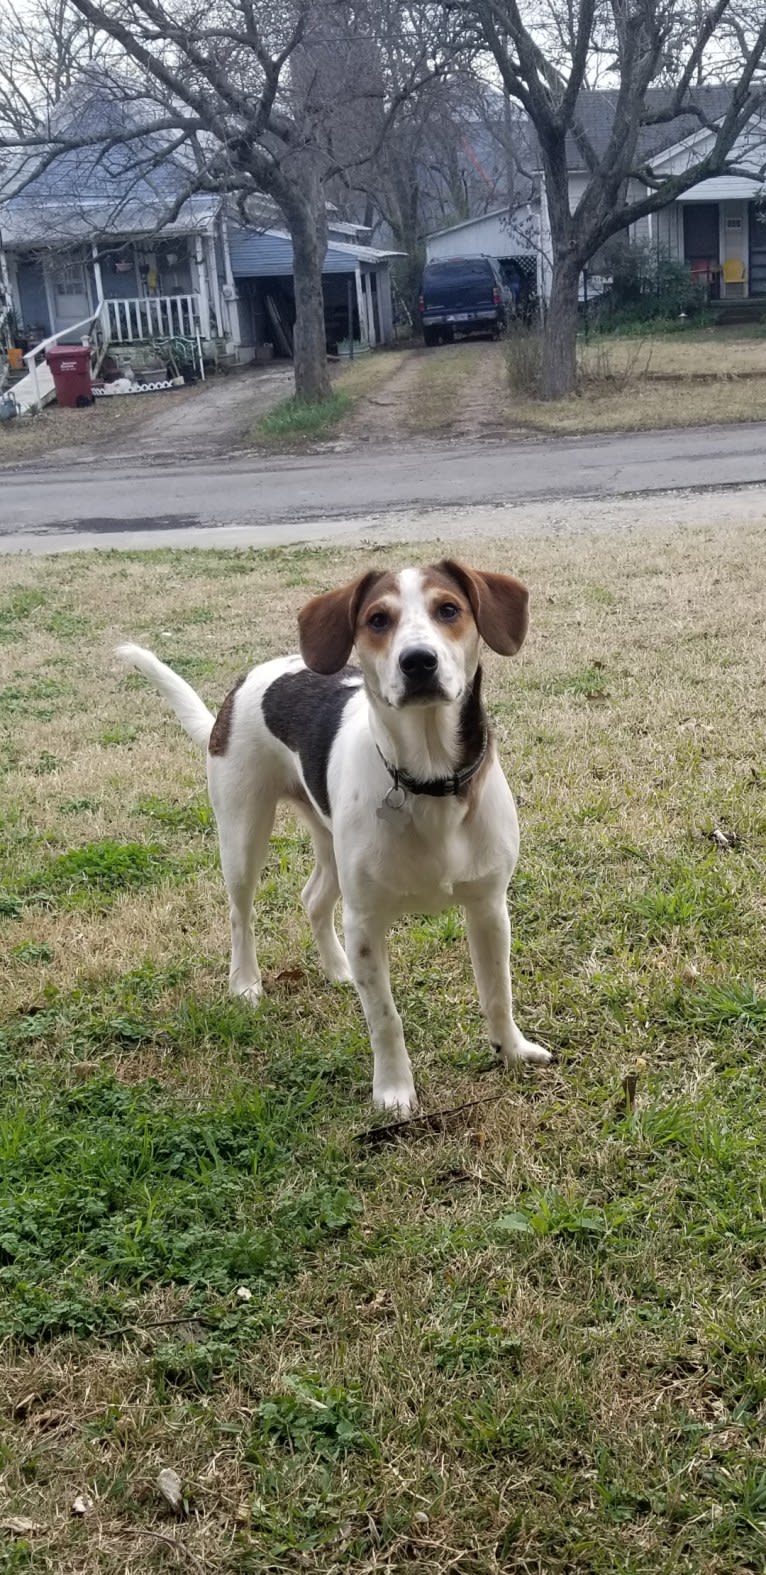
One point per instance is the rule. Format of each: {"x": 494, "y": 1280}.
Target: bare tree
{"x": 450, "y": 151}
{"x": 250, "y": 98}
{"x": 446, "y": 158}
{"x": 549, "y": 52}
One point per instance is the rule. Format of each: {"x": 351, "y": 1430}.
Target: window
{"x": 70, "y": 279}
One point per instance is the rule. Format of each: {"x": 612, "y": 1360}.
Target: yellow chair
{"x": 734, "y": 276}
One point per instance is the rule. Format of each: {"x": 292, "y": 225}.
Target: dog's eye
{"x": 448, "y": 611}
{"x": 378, "y": 621}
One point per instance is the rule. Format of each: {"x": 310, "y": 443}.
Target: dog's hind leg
{"x": 244, "y": 843}
{"x": 319, "y": 896}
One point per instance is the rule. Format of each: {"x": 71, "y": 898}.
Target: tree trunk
{"x": 559, "y": 372}
{"x": 309, "y": 237}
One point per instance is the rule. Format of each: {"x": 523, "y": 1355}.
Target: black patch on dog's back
{"x": 304, "y": 711}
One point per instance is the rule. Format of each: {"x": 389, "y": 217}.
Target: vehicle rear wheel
{"x": 431, "y": 336}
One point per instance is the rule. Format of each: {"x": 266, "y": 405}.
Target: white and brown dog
{"x": 392, "y": 766}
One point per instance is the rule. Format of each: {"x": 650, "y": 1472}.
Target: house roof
{"x": 120, "y": 188}
{"x": 595, "y": 113}
{"x": 268, "y": 254}
{"x": 480, "y": 218}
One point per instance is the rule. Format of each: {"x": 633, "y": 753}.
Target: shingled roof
{"x": 595, "y": 113}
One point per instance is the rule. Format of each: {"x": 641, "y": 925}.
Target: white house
{"x": 718, "y": 227}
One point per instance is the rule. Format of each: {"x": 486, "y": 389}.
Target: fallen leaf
{"x": 18, "y": 1526}
{"x": 243, "y": 1294}
{"x": 598, "y": 694}
{"x": 690, "y": 974}
{"x": 82, "y": 1505}
{"x": 169, "y": 1484}
{"x": 290, "y": 976}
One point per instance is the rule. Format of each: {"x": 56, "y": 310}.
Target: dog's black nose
{"x": 418, "y": 662}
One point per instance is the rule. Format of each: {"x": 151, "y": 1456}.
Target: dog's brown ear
{"x": 327, "y": 625}
{"x": 499, "y": 604}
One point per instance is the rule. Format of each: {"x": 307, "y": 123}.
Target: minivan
{"x": 463, "y": 295}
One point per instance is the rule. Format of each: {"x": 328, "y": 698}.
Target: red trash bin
{"x": 70, "y": 366}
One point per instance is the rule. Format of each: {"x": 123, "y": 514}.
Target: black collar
{"x": 437, "y": 787}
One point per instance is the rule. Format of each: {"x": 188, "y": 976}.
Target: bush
{"x": 646, "y": 286}
{"x": 524, "y": 359}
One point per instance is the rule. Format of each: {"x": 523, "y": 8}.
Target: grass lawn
{"x": 640, "y": 382}
{"x": 533, "y": 1340}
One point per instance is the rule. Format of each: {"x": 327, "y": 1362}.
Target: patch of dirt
{"x": 483, "y": 407}
{"x": 454, "y": 391}
{"x": 204, "y": 419}
{"x": 379, "y": 418}
{"x": 217, "y": 419}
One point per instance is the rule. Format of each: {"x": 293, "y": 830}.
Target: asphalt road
{"x": 122, "y": 503}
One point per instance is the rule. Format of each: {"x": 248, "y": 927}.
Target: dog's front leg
{"x": 489, "y": 938}
{"x": 392, "y": 1087}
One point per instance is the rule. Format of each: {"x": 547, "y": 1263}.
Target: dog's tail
{"x": 192, "y": 713}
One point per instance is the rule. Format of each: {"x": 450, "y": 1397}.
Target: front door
{"x": 701, "y": 232}
{"x": 71, "y": 301}
{"x": 757, "y": 250}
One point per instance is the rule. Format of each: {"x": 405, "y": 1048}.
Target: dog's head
{"x": 417, "y": 632}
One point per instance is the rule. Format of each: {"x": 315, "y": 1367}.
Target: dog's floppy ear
{"x": 499, "y": 604}
{"x": 327, "y": 625}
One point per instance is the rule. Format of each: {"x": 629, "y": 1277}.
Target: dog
{"x": 392, "y": 765}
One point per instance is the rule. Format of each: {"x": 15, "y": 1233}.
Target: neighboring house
{"x": 715, "y": 227}
{"x": 104, "y": 243}
{"x": 718, "y": 227}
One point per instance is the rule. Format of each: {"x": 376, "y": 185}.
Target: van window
{"x": 467, "y": 267}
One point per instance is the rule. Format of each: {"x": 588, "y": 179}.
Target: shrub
{"x": 524, "y": 360}
{"x": 646, "y": 285}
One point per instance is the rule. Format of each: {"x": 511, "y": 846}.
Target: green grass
{"x": 531, "y": 1337}
{"x": 295, "y": 420}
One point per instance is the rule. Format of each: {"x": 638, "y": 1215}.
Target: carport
{"x": 356, "y": 283}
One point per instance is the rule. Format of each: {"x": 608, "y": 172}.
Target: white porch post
{"x": 232, "y": 293}
{"x": 360, "y": 305}
{"x": 97, "y": 274}
{"x": 385, "y": 304}
{"x": 371, "y": 334}
{"x": 204, "y": 293}
{"x": 4, "y": 274}
{"x": 49, "y": 295}
{"x": 211, "y": 263}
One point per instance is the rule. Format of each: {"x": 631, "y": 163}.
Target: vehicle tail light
{"x": 495, "y": 296}
{"x": 421, "y": 303}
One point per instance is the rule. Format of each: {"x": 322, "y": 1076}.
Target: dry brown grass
{"x": 644, "y": 403}
{"x": 569, "y": 1397}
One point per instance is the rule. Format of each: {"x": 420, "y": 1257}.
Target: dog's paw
{"x": 399, "y": 1098}
{"x": 524, "y": 1052}
{"x": 250, "y": 993}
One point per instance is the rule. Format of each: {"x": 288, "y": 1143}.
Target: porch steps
{"x": 27, "y": 390}
{"x": 731, "y": 313}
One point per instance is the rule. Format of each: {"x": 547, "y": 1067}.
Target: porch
{"x": 719, "y": 231}
{"x": 147, "y": 293}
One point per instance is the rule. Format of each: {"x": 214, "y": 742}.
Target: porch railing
{"x": 152, "y": 317}
{"x": 93, "y": 329}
